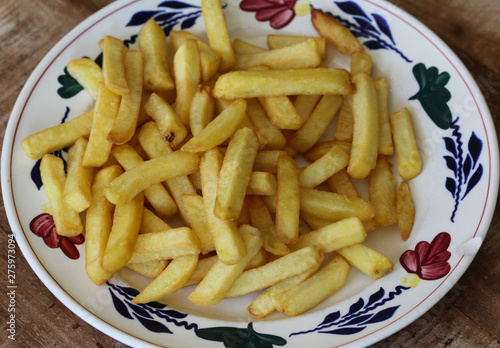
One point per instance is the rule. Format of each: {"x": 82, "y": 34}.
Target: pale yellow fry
{"x": 334, "y": 206}
{"x": 321, "y": 147}
{"x": 126, "y": 120}
{"x": 382, "y": 190}
{"x": 165, "y": 245}
{"x": 78, "y": 185}
{"x": 364, "y": 149}
{"x": 58, "y": 137}
{"x": 105, "y": 111}
{"x": 287, "y": 266}
{"x": 367, "y": 260}
{"x": 235, "y": 174}
{"x": 407, "y": 155}
{"x": 281, "y": 112}
{"x": 316, "y": 222}
{"x": 218, "y": 34}
{"x": 156, "y": 194}
{"x": 305, "y": 104}
{"x": 98, "y": 222}
{"x": 150, "y": 172}
{"x": 173, "y": 277}
{"x": 299, "y": 55}
{"x": 227, "y": 239}
{"x": 267, "y": 132}
{"x": 262, "y": 220}
{"x": 405, "y": 210}
{"x": 287, "y": 200}
{"x": 333, "y": 236}
{"x": 212, "y": 288}
{"x": 361, "y": 62}
{"x": 124, "y": 232}
{"x": 243, "y": 47}
{"x": 277, "y": 41}
{"x": 66, "y": 219}
{"x": 335, "y": 33}
{"x": 152, "y": 223}
{"x": 204, "y": 265}
{"x": 219, "y": 130}
{"x": 195, "y": 180}
{"x": 323, "y": 168}
{"x": 268, "y": 83}
{"x": 342, "y": 183}
{"x": 151, "y": 269}
{"x": 187, "y": 73}
{"x": 196, "y": 214}
{"x": 209, "y": 60}
{"x": 113, "y": 65}
{"x": 202, "y": 109}
{"x": 87, "y": 73}
{"x": 345, "y": 122}
{"x": 267, "y": 161}
{"x": 270, "y": 203}
{"x": 222, "y": 104}
{"x": 171, "y": 127}
{"x": 316, "y": 124}
{"x": 153, "y": 45}
{"x": 153, "y": 144}
{"x": 312, "y": 291}
{"x": 385, "y": 144}
{"x": 262, "y": 184}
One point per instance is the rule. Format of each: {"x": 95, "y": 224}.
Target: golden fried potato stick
{"x": 202, "y": 109}
{"x": 405, "y": 210}
{"x": 153, "y": 45}
{"x": 244, "y": 47}
{"x": 152, "y": 223}
{"x": 267, "y": 161}
{"x": 407, "y": 156}
{"x": 385, "y": 144}
{"x": 269, "y": 135}
{"x": 196, "y": 214}
{"x": 367, "y": 260}
{"x": 277, "y": 41}
{"x": 324, "y": 167}
{"x": 66, "y": 219}
{"x": 281, "y": 112}
{"x": 382, "y": 190}
{"x": 58, "y": 137}
{"x": 98, "y": 222}
{"x": 361, "y": 62}
{"x": 262, "y": 184}
{"x": 345, "y": 122}
{"x": 305, "y": 104}
{"x": 87, "y": 73}
{"x": 321, "y": 147}
{"x": 113, "y": 64}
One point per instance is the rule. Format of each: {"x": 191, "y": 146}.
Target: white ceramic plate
{"x": 455, "y": 194}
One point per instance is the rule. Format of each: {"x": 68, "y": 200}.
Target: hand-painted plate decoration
{"x": 455, "y": 194}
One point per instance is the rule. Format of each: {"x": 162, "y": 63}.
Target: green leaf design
{"x": 432, "y": 94}
{"x": 240, "y": 338}
{"x": 69, "y": 86}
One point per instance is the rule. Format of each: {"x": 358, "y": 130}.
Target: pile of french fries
{"x": 214, "y": 137}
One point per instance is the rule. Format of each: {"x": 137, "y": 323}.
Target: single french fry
{"x": 262, "y": 220}
{"x": 153, "y": 44}
{"x": 113, "y": 65}
{"x": 66, "y": 219}
{"x": 223, "y": 104}
{"x": 321, "y": 147}
{"x": 227, "y": 239}
{"x": 196, "y": 214}
{"x": 333, "y": 236}
{"x": 361, "y": 62}
{"x": 314, "y": 289}
{"x": 279, "y": 82}
{"x": 173, "y": 277}
{"x": 287, "y": 200}
{"x": 342, "y": 183}
{"x": 58, "y": 137}
{"x": 235, "y": 174}
{"x": 262, "y": 184}
{"x": 405, "y": 210}
{"x": 267, "y": 161}
{"x": 87, "y": 73}
{"x": 125, "y": 122}
{"x": 316, "y": 124}
{"x": 156, "y": 194}
{"x": 165, "y": 245}
{"x": 105, "y": 111}
{"x": 299, "y": 55}
{"x": 275, "y": 271}
{"x": 78, "y": 184}
{"x": 219, "y": 130}
{"x": 124, "y": 232}
{"x": 267, "y": 132}
{"x": 243, "y": 47}
{"x": 151, "y": 269}
{"x": 98, "y": 222}
{"x": 212, "y": 288}
{"x": 202, "y": 109}
{"x": 385, "y": 144}
{"x": 187, "y": 73}
{"x": 155, "y": 170}
{"x": 345, "y": 122}
{"x": 323, "y": 168}
{"x": 195, "y": 179}
{"x": 407, "y": 157}
{"x": 305, "y": 104}
{"x": 277, "y": 41}
{"x": 204, "y": 265}
{"x": 364, "y": 150}
{"x": 152, "y": 223}
{"x": 334, "y": 206}
{"x": 335, "y": 33}
{"x": 367, "y": 260}
{"x": 281, "y": 112}
{"x": 383, "y": 191}
{"x": 171, "y": 127}
{"x": 218, "y": 34}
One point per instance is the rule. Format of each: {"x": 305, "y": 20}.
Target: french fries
{"x": 287, "y": 200}
{"x": 87, "y": 73}
{"x": 113, "y": 65}
{"x": 405, "y": 210}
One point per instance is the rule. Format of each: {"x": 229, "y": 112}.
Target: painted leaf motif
{"x": 120, "y": 306}
{"x": 384, "y": 314}
{"x": 352, "y": 8}
{"x": 451, "y": 186}
{"x": 217, "y": 334}
{"x": 166, "y": 16}
{"x": 174, "y": 314}
{"x": 467, "y": 167}
{"x": 450, "y": 145}
{"x": 140, "y": 18}
{"x": 69, "y": 86}
{"x": 175, "y": 4}
{"x": 345, "y": 330}
{"x": 383, "y": 26}
{"x": 358, "y": 320}
{"x": 356, "y": 306}
{"x": 330, "y": 318}
{"x": 129, "y": 291}
{"x": 451, "y": 163}
{"x": 140, "y": 311}
{"x": 373, "y": 45}
{"x": 436, "y": 109}
{"x": 36, "y": 176}
{"x": 152, "y": 325}
{"x": 474, "y": 179}
{"x": 375, "y": 297}
{"x": 475, "y": 146}
{"x": 69, "y": 249}
{"x": 188, "y": 23}
{"x": 363, "y": 23}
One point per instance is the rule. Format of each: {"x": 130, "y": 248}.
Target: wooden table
{"x": 468, "y": 316}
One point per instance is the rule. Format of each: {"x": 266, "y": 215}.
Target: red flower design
{"x": 428, "y": 261}
{"x": 43, "y": 226}
{"x": 278, "y": 12}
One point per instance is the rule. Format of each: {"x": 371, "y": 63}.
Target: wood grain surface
{"x": 468, "y": 316}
